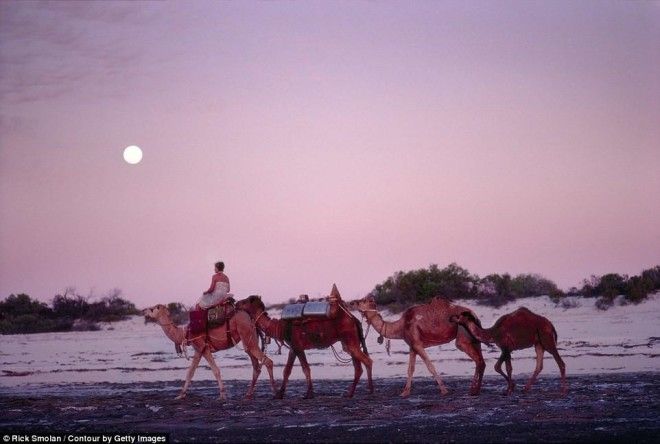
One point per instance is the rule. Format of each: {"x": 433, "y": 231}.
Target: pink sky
{"x": 306, "y": 143}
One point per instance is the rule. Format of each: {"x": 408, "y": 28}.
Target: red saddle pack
{"x": 197, "y": 324}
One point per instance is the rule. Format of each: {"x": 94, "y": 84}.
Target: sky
{"x": 312, "y": 143}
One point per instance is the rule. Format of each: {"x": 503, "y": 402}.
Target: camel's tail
{"x": 358, "y": 324}
{"x": 467, "y": 330}
{"x": 554, "y": 332}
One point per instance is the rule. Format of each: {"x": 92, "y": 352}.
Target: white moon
{"x": 132, "y": 154}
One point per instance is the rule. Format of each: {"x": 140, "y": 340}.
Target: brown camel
{"x": 516, "y": 331}
{"x": 239, "y": 328}
{"x": 424, "y": 326}
{"x": 316, "y": 332}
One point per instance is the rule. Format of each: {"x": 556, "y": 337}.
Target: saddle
{"x": 221, "y": 313}
{"x": 215, "y": 316}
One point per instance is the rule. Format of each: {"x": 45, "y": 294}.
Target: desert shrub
{"x": 111, "y": 308}
{"x": 22, "y": 304}
{"x": 178, "y": 312}
{"x": 69, "y": 305}
{"x": 403, "y": 289}
{"x": 419, "y": 286}
{"x": 22, "y": 314}
{"x": 604, "y": 303}
{"x": 84, "y": 325}
{"x": 495, "y": 290}
{"x": 567, "y": 303}
{"x": 531, "y": 285}
{"x": 634, "y": 289}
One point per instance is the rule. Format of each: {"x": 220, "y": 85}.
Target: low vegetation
{"x": 68, "y": 311}
{"x": 403, "y": 289}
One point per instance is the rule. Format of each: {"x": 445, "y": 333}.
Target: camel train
{"x": 320, "y": 324}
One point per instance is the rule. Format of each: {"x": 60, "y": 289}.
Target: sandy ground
{"x": 605, "y": 407}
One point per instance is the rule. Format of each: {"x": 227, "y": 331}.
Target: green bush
{"x": 634, "y": 289}
{"x": 21, "y": 314}
{"x": 404, "y": 289}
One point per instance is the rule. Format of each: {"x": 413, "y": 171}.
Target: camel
{"x": 239, "y": 328}
{"x": 423, "y": 326}
{"x": 516, "y": 331}
{"x": 317, "y": 332}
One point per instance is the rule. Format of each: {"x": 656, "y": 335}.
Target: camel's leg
{"x": 308, "y": 374}
{"x": 473, "y": 350}
{"x": 551, "y": 347}
{"x": 356, "y": 353}
{"x": 357, "y": 365}
{"x": 498, "y": 368}
{"x": 269, "y": 367}
{"x": 216, "y": 372}
{"x": 285, "y": 375}
{"x": 539, "y": 367}
{"x": 429, "y": 364}
{"x": 368, "y": 364}
{"x": 412, "y": 356}
{"x": 260, "y": 359}
{"x": 256, "y": 370}
{"x": 509, "y": 370}
{"x": 250, "y": 341}
{"x": 189, "y": 375}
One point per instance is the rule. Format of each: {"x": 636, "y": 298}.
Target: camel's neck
{"x": 176, "y": 334}
{"x": 482, "y": 334}
{"x": 272, "y": 327}
{"x": 389, "y": 330}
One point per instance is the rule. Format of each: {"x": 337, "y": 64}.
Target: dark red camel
{"x": 318, "y": 332}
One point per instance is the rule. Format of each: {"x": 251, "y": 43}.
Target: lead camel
{"x": 237, "y": 329}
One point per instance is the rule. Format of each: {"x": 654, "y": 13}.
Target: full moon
{"x": 132, "y": 154}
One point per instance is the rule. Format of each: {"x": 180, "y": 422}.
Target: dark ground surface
{"x": 598, "y": 408}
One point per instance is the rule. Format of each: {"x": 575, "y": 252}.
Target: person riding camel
{"x": 219, "y": 289}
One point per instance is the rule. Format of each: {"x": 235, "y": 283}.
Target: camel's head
{"x": 155, "y": 312}
{"x": 252, "y": 305}
{"x": 464, "y": 318}
{"x": 367, "y": 303}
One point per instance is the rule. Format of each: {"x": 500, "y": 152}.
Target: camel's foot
{"x": 349, "y": 394}
{"x": 444, "y": 391}
{"x": 370, "y": 390}
{"x": 527, "y": 388}
{"x": 181, "y": 396}
{"x": 405, "y": 393}
{"x": 279, "y": 395}
{"x": 474, "y": 391}
{"x": 309, "y": 395}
